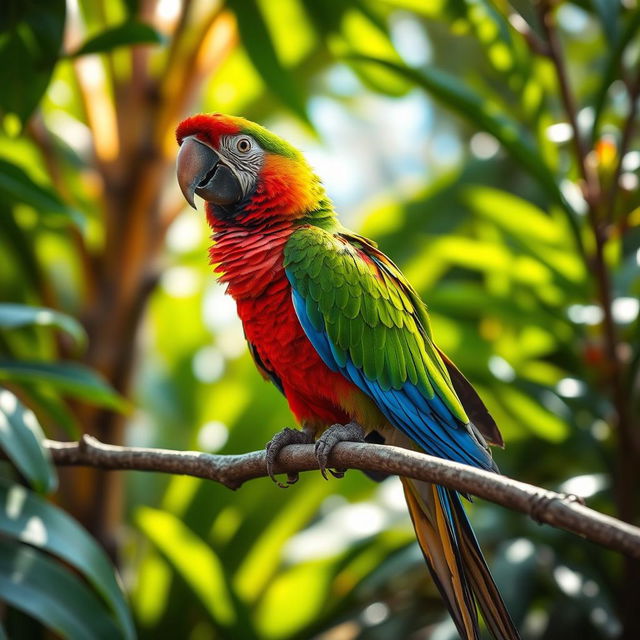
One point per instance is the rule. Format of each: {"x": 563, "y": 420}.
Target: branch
{"x": 559, "y": 510}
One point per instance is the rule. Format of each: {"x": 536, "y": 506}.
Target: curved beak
{"x": 201, "y": 171}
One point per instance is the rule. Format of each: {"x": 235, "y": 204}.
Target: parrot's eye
{"x": 243, "y": 145}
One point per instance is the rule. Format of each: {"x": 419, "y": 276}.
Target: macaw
{"x": 337, "y": 328}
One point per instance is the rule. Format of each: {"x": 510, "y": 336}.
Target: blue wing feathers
{"x": 427, "y": 421}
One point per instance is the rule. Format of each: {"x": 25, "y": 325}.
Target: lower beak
{"x": 200, "y": 171}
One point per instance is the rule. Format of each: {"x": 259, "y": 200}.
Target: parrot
{"x": 333, "y": 323}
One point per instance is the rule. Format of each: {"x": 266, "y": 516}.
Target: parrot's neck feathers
{"x": 323, "y": 215}
{"x": 270, "y": 209}
{"x": 250, "y": 262}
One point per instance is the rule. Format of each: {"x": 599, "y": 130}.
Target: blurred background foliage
{"x": 445, "y": 130}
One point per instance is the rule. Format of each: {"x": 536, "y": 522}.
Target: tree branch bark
{"x": 558, "y": 510}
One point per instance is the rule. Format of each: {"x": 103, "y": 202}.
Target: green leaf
{"x": 471, "y": 106}
{"x": 261, "y": 561}
{"x": 123, "y": 35}
{"x": 29, "y": 50}
{"x": 29, "y": 581}
{"x": 361, "y": 34}
{"x": 74, "y": 379}
{"x": 515, "y": 215}
{"x": 533, "y": 415}
{"x": 16, "y": 186}
{"x": 22, "y": 440}
{"x": 13, "y": 316}
{"x": 274, "y": 613}
{"x": 197, "y": 564}
{"x": 536, "y": 233}
{"x": 26, "y": 517}
{"x": 257, "y": 42}
{"x": 507, "y": 54}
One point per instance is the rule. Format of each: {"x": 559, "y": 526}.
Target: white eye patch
{"x": 244, "y": 157}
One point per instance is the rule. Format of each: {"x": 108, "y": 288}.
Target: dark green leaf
{"x": 17, "y": 247}
{"x": 612, "y": 69}
{"x": 32, "y": 583}
{"x": 528, "y": 12}
{"x": 13, "y": 316}
{"x": 11, "y": 13}
{"x": 75, "y": 379}
{"x": 608, "y": 13}
{"x": 21, "y": 439}
{"x": 132, "y": 6}
{"x": 17, "y": 187}
{"x": 29, "y": 50}
{"x": 257, "y": 42}
{"x": 124, "y": 35}
{"x": 58, "y": 534}
{"x": 52, "y": 409}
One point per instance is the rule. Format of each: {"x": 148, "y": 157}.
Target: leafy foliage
{"x": 126, "y": 34}
{"x": 34, "y": 529}
{"x": 450, "y": 144}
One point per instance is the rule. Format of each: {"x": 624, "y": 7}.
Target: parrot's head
{"x": 247, "y": 174}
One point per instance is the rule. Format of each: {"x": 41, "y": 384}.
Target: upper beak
{"x": 200, "y": 171}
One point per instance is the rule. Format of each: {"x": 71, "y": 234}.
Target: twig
{"x": 589, "y": 176}
{"x": 531, "y": 38}
{"x": 633, "y": 87}
{"x": 559, "y": 510}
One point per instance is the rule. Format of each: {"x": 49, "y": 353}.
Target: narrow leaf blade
{"x": 70, "y": 377}
{"x": 22, "y": 440}
{"x": 26, "y": 517}
{"x": 53, "y": 595}
{"x": 123, "y": 35}
{"x": 14, "y": 316}
{"x": 18, "y": 187}
{"x": 29, "y": 49}
{"x": 260, "y": 49}
{"x": 198, "y": 565}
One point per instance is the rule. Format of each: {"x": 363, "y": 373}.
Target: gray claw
{"x": 336, "y": 433}
{"x": 279, "y": 441}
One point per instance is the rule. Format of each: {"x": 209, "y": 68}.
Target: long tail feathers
{"x": 455, "y": 560}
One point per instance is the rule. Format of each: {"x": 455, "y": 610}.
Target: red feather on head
{"x": 208, "y": 127}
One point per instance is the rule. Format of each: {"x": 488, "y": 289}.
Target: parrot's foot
{"x": 281, "y": 440}
{"x": 351, "y": 432}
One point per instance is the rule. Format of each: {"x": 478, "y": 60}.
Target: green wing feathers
{"x": 370, "y": 313}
